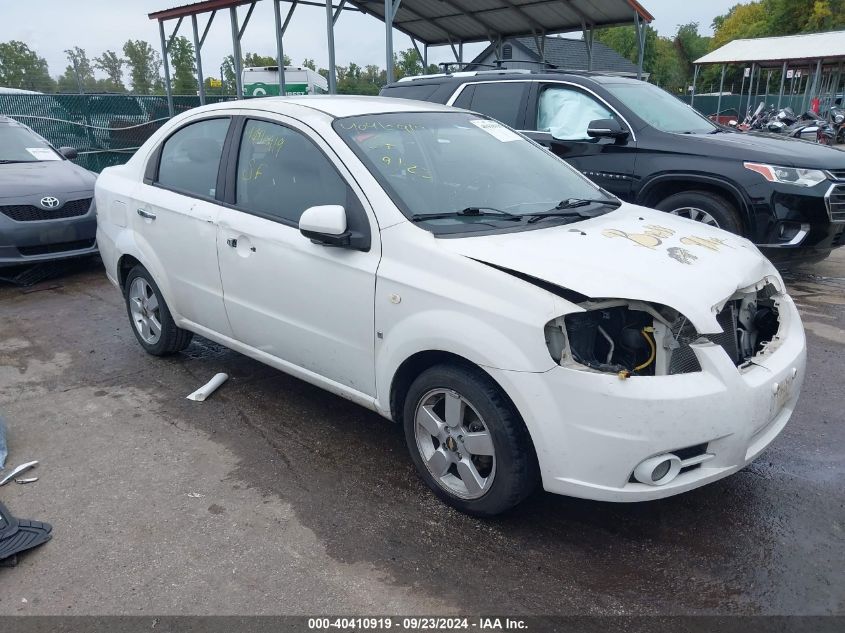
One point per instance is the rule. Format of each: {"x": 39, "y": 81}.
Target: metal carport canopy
{"x": 773, "y": 50}
{"x": 439, "y": 22}
{"x": 431, "y": 22}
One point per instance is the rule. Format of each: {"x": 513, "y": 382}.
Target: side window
{"x": 281, "y": 173}
{"x": 190, "y": 158}
{"x": 503, "y": 101}
{"x": 464, "y": 99}
{"x": 565, "y": 113}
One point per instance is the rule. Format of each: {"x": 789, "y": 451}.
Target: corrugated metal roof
{"x": 453, "y": 21}
{"x": 195, "y": 8}
{"x": 830, "y": 46}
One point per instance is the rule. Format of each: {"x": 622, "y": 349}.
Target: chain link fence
{"x": 105, "y": 129}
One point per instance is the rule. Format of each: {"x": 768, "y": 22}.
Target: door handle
{"x": 146, "y": 214}
{"x": 232, "y": 242}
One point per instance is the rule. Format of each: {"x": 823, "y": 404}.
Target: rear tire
{"x": 467, "y": 440}
{"x": 152, "y": 323}
{"x": 703, "y": 206}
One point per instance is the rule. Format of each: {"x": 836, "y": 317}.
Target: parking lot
{"x": 274, "y": 497}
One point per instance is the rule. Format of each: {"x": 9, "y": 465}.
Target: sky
{"x": 51, "y": 26}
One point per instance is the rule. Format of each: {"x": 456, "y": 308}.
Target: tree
{"x": 742, "y": 21}
{"x": 227, "y": 72}
{"x": 112, "y": 65}
{"x": 182, "y": 57}
{"x": 256, "y": 60}
{"x": 79, "y": 74}
{"x": 144, "y": 65}
{"x": 309, "y": 63}
{"x": 407, "y": 63}
{"x": 623, "y": 39}
{"x": 22, "y": 68}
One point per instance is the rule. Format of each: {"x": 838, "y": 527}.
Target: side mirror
{"x": 69, "y": 152}
{"x": 325, "y": 224}
{"x": 606, "y": 128}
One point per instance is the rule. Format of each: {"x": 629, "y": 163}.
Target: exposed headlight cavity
{"x": 633, "y": 338}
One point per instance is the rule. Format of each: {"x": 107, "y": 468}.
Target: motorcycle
{"x": 836, "y": 119}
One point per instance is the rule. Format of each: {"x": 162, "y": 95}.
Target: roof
{"x": 567, "y": 53}
{"x": 332, "y": 105}
{"x": 195, "y": 8}
{"x": 452, "y": 21}
{"x": 810, "y": 46}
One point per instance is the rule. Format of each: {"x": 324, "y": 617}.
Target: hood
{"x": 767, "y": 148}
{"x": 49, "y": 177}
{"x": 632, "y": 253}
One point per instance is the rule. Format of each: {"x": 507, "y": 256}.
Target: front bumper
{"x": 784, "y": 212}
{"x": 590, "y": 430}
{"x": 34, "y": 241}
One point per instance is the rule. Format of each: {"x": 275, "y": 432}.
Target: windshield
{"x": 437, "y": 163}
{"x": 660, "y": 109}
{"x": 18, "y": 144}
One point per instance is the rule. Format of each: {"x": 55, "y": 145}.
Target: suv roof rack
{"x": 468, "y": 73}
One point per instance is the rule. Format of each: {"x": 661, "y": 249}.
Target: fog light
{"x": 657, "y": 471}
{"x": 661, "y": 470}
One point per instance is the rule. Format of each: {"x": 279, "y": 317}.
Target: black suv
{"x": 647, "y": 147}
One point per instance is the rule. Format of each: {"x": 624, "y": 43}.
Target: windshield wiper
{"x": 570, "y": 206}
{"x": 6, "y": 161}
{"x": 469, "y": 212}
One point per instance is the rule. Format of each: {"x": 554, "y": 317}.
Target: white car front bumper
{"x": 591, "y": 430}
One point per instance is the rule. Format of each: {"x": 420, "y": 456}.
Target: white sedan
{"x": 437, "y": 267}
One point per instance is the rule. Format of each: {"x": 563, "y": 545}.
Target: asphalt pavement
{"x": 274, "y": 497}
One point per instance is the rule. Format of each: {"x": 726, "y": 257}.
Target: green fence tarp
{"x": 105, "y": 129}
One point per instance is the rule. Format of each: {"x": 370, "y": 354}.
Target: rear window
{"x": 504, "y": 100}
{"x": 421, "y": 92}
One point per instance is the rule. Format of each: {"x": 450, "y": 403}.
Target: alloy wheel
{"x": 145, "y": 309}
{"x": 455, "y": 443}
{"x": 696, "y": 214}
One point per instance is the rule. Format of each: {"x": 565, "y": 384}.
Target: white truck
{"x": 264, "y": 81}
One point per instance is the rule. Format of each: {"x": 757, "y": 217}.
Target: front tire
{"x": 705, "y": 207}
{"x": 467, "y": 441}
{"x": 151, "y": 320}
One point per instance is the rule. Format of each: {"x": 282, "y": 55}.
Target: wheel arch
{"x": 137, "y": 252}
{"x": 125, "y": 264}
{"x": 418, "y": 362}
{"x": 662, "y": 186}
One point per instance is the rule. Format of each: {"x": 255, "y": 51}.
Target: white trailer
{"x": 264, "y": 81}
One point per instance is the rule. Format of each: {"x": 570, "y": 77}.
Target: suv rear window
{"x": 421, "y": 92}
{"x": 503, "y": 100}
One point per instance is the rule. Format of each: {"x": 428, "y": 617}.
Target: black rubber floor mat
{"x": 18, "y": 535}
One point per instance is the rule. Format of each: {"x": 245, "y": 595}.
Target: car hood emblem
{"x": 49, "y": 202}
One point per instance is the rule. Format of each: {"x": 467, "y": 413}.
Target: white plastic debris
{"x": 195, "y": 495}
{"x": 17, "y": 471}
{"x": 28, "y": 480}
{"x": 208, "y": 388}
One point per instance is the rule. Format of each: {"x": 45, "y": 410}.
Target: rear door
{"x": 174, "y": 220}
{"x": 557, "y": 116}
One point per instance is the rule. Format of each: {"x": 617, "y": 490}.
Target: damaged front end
{"x": 636, "y": 338}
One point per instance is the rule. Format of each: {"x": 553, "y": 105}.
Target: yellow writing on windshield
{"x": 364, "y": 126}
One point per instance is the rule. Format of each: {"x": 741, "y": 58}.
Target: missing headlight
{"x": 637, "y": 338}
{"x": 614, "y": 339}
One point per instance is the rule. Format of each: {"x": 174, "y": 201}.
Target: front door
{"x": 307, "y": 304}
{"x": 558, "y": 118}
